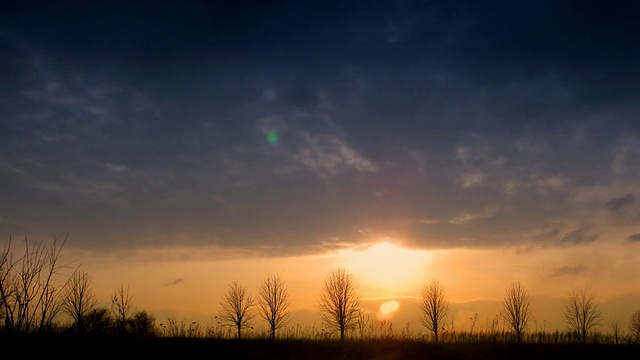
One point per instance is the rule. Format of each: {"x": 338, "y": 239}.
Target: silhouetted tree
{"x": 142, "y": 324}
{"x": 339, "y": 300}
{"x": 434, "y": 307}
{"x": 614, "y": 326}
{"x": 29, "y": 292}
{"x": 8, "y": 283}
{"x": 581, "y": 313}
{"x": 517, "y": 309}
{"x": 634, "y": 325}
{"x": 121, "y": 307}
{"x": 236, "y": 306}
{"x": 274, "y": 303}
{"x": 98, "y": 321}
{"x": 79, "y": 299}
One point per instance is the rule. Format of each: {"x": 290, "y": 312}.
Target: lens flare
{"x": 387, "y": 310}
{"x": 389, "y": 307}
{"x": 272, "y": 137}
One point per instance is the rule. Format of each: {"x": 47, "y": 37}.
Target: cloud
{"x": 549, "y": 234}
{"x": 568, "y": 271}
{"x": 330, "y": 155}
{"x": 618, "y": 204}
{"x": 578, "y": 236}
{"x": 99, "y": 137}
{"x": 582, "y": 235}
{"x": 634, "y": 238}
{"x": 116, "y": 167}
{"x": 471, "y": 180}
{"x": 625, "y": 157}
{"x": 175, "y": 282}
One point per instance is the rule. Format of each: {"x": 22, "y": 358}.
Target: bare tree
{"x": 274, "y": 303}
{"x": 236, "y": 306}
{"x": 581, "y": 313}
{"x": 8, "y": 283}
{"x": 614, "y": 326}
{"x": 121, "y": 307}
{"x": 434, "y": 307}
{"x": 634, "y": 325}
{"x": 29, "y": 287}
{"x": 517, "y": 309}
{"x": 340, "y": 301}
{"x": 79, "y": 299}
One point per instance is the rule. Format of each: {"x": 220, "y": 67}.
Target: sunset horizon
{"x": 195, "y": 300}
{"x": 483, "y": 153}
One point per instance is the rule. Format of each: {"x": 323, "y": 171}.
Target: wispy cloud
{"x": 618, "y": 204}
{"x": 634, "y": 238}
{"x": 329, "y": 155}
{"x": 175, "y": 282}
{"x": 579, "y": 236}
{"x": 555, "y": 236}
{"x": 568, "y": 271}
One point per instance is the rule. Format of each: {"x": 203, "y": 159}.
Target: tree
{"x": 274, "y": 303}
{"x": 236, "y": 306}
{"x": 98, "y": 321}
{"x": 339, "y": 300}
{"x": 142, "y": 324}
{"x": 517, "y": 309}
{"x": 634, "y": 325}
{"x": 121, "y": 307}
{"x": 79, "y": 299}
{"x": 581, "y": 313}
{"x": 29, "y": 291}
{"x": 434, "y": 307}
{"x": 614, "y": 326}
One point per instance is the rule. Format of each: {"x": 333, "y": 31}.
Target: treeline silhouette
{"x": 41, "y": 296}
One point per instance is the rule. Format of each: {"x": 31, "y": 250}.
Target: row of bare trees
{"x": 273, "y": 305}
{"x": 36, "y": 288}
{"x": 340, "y": 303}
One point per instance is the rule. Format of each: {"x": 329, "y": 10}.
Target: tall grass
{"x": 382, "y": 331}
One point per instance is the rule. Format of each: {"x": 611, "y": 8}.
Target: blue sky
{"x": 446, "y": 124}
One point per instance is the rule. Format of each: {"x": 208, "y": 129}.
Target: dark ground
{"x": 71, "y": 347}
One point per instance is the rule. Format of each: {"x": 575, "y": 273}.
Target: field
{"x": 72, "y": 347}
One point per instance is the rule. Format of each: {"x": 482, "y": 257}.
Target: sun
{"x": 388, "y": 266}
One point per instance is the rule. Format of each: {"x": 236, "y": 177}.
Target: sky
{"x": 179, "y": 146}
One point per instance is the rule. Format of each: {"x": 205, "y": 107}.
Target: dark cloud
{"x": 569, "y": 271}
{"x": 634, "y": 238}
{"x": 556, "y": 236}
{"x": 578, "y": 236}
{"x": 618, "y": 204}
{"x": 175, "y": 282}
{"x": 466, "y": 124}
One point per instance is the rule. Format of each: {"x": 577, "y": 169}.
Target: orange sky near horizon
{"x": 181, "y": 285}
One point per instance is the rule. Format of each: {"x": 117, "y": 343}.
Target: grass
{"x": 104, "y": 346}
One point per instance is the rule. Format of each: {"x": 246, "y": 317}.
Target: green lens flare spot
{"x": 272, "y": 138}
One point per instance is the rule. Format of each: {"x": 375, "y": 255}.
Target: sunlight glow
{"x": 387, "y": 265}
